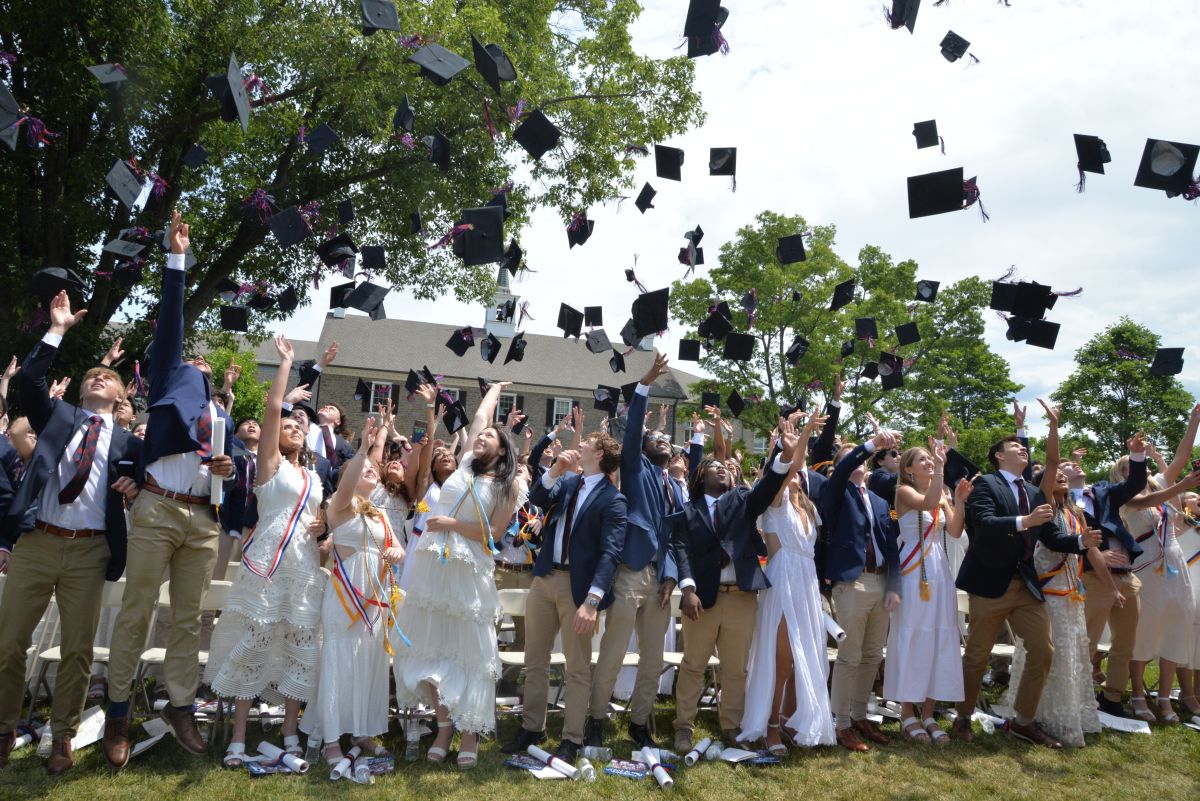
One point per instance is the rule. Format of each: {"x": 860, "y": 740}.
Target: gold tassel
{"x": 924, "y": 590}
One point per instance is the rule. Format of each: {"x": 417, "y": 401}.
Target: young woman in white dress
{"x": 1187, "y": 532}
{"x": 789, "y": 668}
{"x": 357, "y": 615}
{"x": 404, "y": 465}
{"x": 924, "y": 663}
{"x": 452, "y": 606}
{"x": 266, "y": 640}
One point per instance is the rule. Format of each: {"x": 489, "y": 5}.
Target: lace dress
{"x": 266, "y": 641}
{"x": 794, "y": 597}
{"x": 924, "y": 659}
{"x": 352, "y": 694}
{"x": 1165, "y": 621}
{"x": 451, "y": 611}
{"x": 429, "y": 502}
{"x": 1067, "y": 709}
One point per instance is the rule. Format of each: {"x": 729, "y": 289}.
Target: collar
{"x": 1009, "y": 477}
{"x": 107, "y": 418}
{"x": 591, "y": 481}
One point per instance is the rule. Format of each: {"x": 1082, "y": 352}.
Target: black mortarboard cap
{"x": 378, "y": 313}
{"x": 338, "y": 295}
{"x": 570, "y": 320}
{"x": 260, "y": 300}
{"x": 490, "y": 348}
{"x": 414, "y": 223}
{"x": 413, "y": 382}
{"x": 954, "y": 46}
{"x": 483, "y": 243}
{"x": 691, "y": 255}
{"x": 904, "y": 12}
{"x": 439, "y": 149}
{"x": 695, "y": 236}
{"x": 891, "y": 371}
{"x": 195, "y": 156}
{"x": 378, "y": 15}
{"x": 1091, "y": 153}
{"x": 512, "y": 258}
{"x": 935, "y": 193}
{"x": 718, "y": 323}
{"x": 374, "y": 257}
{"x": 926, "y": 134}
{"x": 235, "y": 94}
{"x": 668, "y": 162}
{"x": 455, "y": 417}
{"x": 710, "y": 399}
{"x": 650, "y": 312}
{"x": 109, "y": 74}
{"x": 484, "y": 386}
{"x": 629, "y": 336}
{"x": 321, "y": 138}
{"x": 1042, "y": 334}
{"x": 927, "y": 291}
{"x": 361, "y": 390}
{"x": 438, "y": 64}
{"x": 49, "y": 281}
{"x": 516, "y": 349}
{"x": 345, "y": 210}
{"x": 722, "y": 161}
{"x": 125, "y": 248}
{"x": 492, "y": 63}
{"x": 865, "y": 328}
{"x": 405, "y": 117}
{"x": 870, "y": 371}
{"x": 593, "y": 315}
{"x": 847, "y": 348}
{"x": 459, "y": 343}
{"x": 581, "y": 234}
{"x": 797, "y": 296}
{"x": 735, "y": 403}
{"x": 605, "y": 398}
{"x": 10, "y": 113}
{"x": 1032, "y": 300}
{"x": 739, "y": 347}
{"x": 1004, "y": 295}
{"x": 790, "y": 249}
{"x": 287, "y": 300}
{"x": 616, "y": 362}
{"x": 843, "y": 295}
{"x": 235, "y": 318}
{"x": 958, "y": 468}
{"x": 689, "y": 350}
{"x": 125, "y": 186}
{"x": 367, "y": 296}
{"x": 645, "y": 198}
{"x": 289, "y": 227}
{"x": 796, "y": 350}
{"x": 334, "y": 251}
{"x": 1168, "y": 166}
{"x": 1018, "y": 329}
{"x": 597, "y": 341}
{"x": 1167, "y": 361}
{"x": 537, "y": 134}
{"x": 702, "y": 16}
{"x": 227, "y": 290}
{"x": 907, "y": 333}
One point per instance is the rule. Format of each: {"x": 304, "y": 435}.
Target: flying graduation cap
{"x": 954, "y": 47}
{"x": 702, "y": 27}
{"x": 1091, "y": 155}
{"x": 537, "y": 134}
{"x": 668, "y": 162}
{"x": 1168, "y": 166}
{"x": 903, "y": 14}
{"x": 645, "y": 198}
{"x": 378, "y": 15}
{"x": 492, "y": 63}
{"x": 230, "y": 92}
{"x": 438, "y": 64}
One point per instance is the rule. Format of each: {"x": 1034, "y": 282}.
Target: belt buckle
{"x": 73, "y": 535}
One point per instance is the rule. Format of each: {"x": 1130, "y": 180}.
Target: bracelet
{"x": 430, "y": 406}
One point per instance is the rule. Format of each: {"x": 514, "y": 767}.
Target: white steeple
{"x": 494, "y": 320}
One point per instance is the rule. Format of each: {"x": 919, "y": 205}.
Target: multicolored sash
{"x": 1071, "y": 574}
{"x": 921, "y": 550}
{"x": 485, "y": 539}
{"x": 384, "y": 592}
{"x": 289, "y": 533}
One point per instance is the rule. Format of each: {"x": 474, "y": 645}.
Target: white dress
{"x": 1067, "y": 709}
{"x": 1188, "y": 534}
{"x": 1166, "y": 619}
{"x": 795, "y": 597}
{"x": 924, "y": 659}
{"x": 418, "y": 525}
{"x": 352, "y": 694}
{"x": 267, "y": 639}
{"x": 451, "y": 610}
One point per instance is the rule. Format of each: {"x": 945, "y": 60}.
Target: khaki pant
{"x": 1029, "y": 620}
{"x": 165, "y": 534}
{"x": 73, "y": 571}
{"x": 1100, "y": 607}
{"x": 549, "y": 611}
{"x": 514, "y": 580}
{"x": 858, "y": 607}
{"x": 635, "y": 606}
{"x": 727, "y": 628}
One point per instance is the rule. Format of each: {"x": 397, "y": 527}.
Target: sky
{"x": 820, "y": 99}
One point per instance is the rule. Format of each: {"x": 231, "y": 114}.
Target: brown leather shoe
{"x": 961, "y": 728}
{"x": 6, "y": 746}
{"x": 870, "y": 731}
{"x": 183, "y": 726}
{"x": 1032, "y": 733}
{"x": 848, "y": 739}
{"x": 61, "y": 759}
{"x": 116, "y": 741}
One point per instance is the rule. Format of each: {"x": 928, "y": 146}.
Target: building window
{"x": 760, "y": 443}
{"x": 455, "y": 394}
{"x": 508, "y": 402}
{"x": 380, "y": 394}
{"x": 562, "y": 408}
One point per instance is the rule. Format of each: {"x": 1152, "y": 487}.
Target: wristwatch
{"x": 593, "y": 602}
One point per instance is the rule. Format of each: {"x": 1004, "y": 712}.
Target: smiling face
{"x": 890, "y": 461}
{"x": 101, "y": 389}
{"x": 1011, "y": 456}
{"x": 368, "y": 480}
{"x": 657, "y": 447}
{"x": 139, "y": 431}
{"x": 716, "y": 478}
{"x": 393, "y": 472}
{"x": 487, "y": 446}
{"x": 443, "y": 464}
{"x": 291, "y": 437}
{"x": 916, "y": 467}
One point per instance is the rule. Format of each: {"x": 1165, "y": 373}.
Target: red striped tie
{"x": 82, "y": 459}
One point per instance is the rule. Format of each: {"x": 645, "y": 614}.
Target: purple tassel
{"x": 524, "y": 312}
{"x": 487, "y": 118}
{"x": 813, "y": 386}
{"x": 641, "y": 150}
{"x": 456, "y": 231}
{"x": 410, "y": 42}
{"x": 895, "y": 23}
{"x": 302, "y": 136}
{"x": 577, "y": 221}
{"x": 260, "y": 203}
{"x": 719, "y": 40}
{"x": 158, "y": 186}
{"x": 36, "y": 132}
{"x": 256, "y": 83}
{"x": 137, "y": 379}
{"x": 971, "y": 196}
{"x": 7, "y": 60}
{"x": 942, "y": 142}
{"x": 503, "y": 189}
{"x": 1128, "y": 355}
{"x": 515, "y": 112}
{"x": 311, "y": 213}
{"x": 1193, "y": 190}
{"x": 407, "y": 140}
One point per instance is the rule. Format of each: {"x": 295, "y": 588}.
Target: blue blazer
{"x": 179, "y": 392}
{"x": 647, "y": 539}
{"x": 56, "y": 422}
{"x": 1107, "y": 500}
{"x": 883, "y": 484}
{"x": 8, "y": 474}
{"x": 846, "y": 526}
{"x": 597, "y": 532}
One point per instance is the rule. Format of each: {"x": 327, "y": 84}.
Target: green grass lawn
{"x": 1117, "y": 766}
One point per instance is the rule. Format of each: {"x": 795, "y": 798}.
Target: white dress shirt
{"x": 183, "y": 472}
{"x": 87, "y": 510}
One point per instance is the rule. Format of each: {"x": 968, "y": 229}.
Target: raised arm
{"x": 928, "y": 501}
{"x": 32, "y": 390}
{"x": 823, "y": 448}
{"x": 1019, "y": 429}
{"x": 576, "y": 427}
{"x": 268, "y": 441}
{"x": 486, "y": 411}
{"x": 1050, "y": 474}
{"x": 422, "y": 476}
{"x": 310, "y": 372}
{"x": 1185, "y": 484}
{"x": 340, "y": 504}
{"x": 9, "y": 372}
{"x": 635, "y": 422}
{"x": 1183, "y": 453}
{"x": 720, "y": 451}
{"x": 167, "y": 350}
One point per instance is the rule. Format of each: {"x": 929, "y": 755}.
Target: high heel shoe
{"x": 468, "y": 759}
{"x": 436, "y": 753}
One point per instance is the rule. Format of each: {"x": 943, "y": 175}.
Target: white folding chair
{"x": 674, "y": 659}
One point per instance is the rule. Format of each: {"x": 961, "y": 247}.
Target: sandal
{"x": 333, "y": 761}
{"x": 913, "y": 728}
{"x": 1166, "y": 715}
{"x": 468, "y": 759}
{"x": 1141, "y": 712}
{"x": 291, "y": 745}
{"x": 371, "y": 747}
{"x": 776, "y": 749}
{"x": 436, "y": 753}
{"x": 235, "y": 756}
{"x": 935, "y": 731}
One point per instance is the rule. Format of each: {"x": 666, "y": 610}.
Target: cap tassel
{"x": 974, "y": 60}
{"x": 456, "y": 231}
{"x": 516, "y": 112}
{"x": 36, "y": 132}
{"x": 524, "y": 312}
{"x": 410, "y": 42}
{"x": 158, "y": 186}
{"x": 259, "y": 202}
{"x": 1128, "y": 355}
{"x": 311, "y": 213}
{"x": 971, "y": 196}
{"x": 632, "y": 148}
{"x": 632, "y": 278}
{"x": 138, "y": 383}
{"x": 719, "y": 40}
{"x": 253, "y": 83}
{"x": 302, "y": 137}
{"x": 942, "y": 142}
{"x": 487, "y": 118}
{"x": 7, "y": 60}
{"x": 1079, "y": 187}
{"x": 733, "y": 183}
{"x": 1193, "y": 190}
{"x": 894, "y": 22}
{"x": 503, "y": 189}
{"x": 578, "y": 220}
{"x": 406, "y": 139}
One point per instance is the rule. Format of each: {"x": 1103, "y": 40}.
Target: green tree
{"x": 1111, "y": 394}
{"x": 574, "y": 59}
{"x": 249, "y": 393}
{"x": 950, "y": 368}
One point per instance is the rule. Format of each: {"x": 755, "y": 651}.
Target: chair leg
{"x": 38, "y": 683}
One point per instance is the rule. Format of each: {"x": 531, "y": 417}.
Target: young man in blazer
{"x": 717, "y": 548}
{"x": 1006, "y": 516}
{"x": 174, "y": 521}
{"x": 64, "y": 533}
{"x": 572, "y": 580}
{"x": 862, "y": 563}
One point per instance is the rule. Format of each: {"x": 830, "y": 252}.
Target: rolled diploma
{"x": 218, "y": 449}
{"x": 562, "y": 767}
{"x": 833, "y": 629}
{"x": 693, "y": 756}
{"x": 660, "y": 773}
{"x": 342, "y": 769}
{"x": 273, "y": 752}
{"x": 27, "y": 738}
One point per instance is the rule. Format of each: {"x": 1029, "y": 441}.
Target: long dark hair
{"x": 696, "y": 485}
{"x": 502, "y": 469}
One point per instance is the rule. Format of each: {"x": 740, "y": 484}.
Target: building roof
{"x": 371, "y": 348}
{"x": 266, "y": 355}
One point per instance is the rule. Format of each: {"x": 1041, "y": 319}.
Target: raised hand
{"x": 963, "y": 490}
{"x": 329, "y": 355}
{"x": 697, "y": 423}
{"x": 112, "y": 357}
{"x": 427, "y": 393}
{"x": 59, "y": 388}
{"x": 788, "y": 439}
{"x": 1019, "y": 415}
{"x": 1137, "y": 443}
{"x": 884, "y": 440}
{"x": 1051, "y": 414}
{"x": 13, "y": 368}
{"x": 567, "y": 462}
{"x": 839, "y": 386}
{"x": 61, "y": 318}
{"x": 938, "y": 451}
{"x": 232, "y": 373}
{"x": 368, "y": 436}
{"x": 284, "y": 348}
{"x": 297, "y": 394}
{"x": 875, "y": 429}
{"x": 657, "y": 369}
{"x": 577, "y": 418}
{"x": 179, "y": 237}
{"x": 714, "y": 412}
{"x": 1080, "y": 452}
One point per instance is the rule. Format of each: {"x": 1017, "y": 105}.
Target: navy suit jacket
{"x": 56, "y": 422}
{"x": 883, "y": 484}
{"x": 179, "y": 392}
{"x": 597, "y": 532}
{"x": 846, "y": 526}
{"x": 698, "y": 545}
{"x": 8, "y": 474}
{"x": 646, "y": 538}
{"x": 996, "y": 551}
{"x": 822, "y": 448}
{"x": 1107, "y": 500}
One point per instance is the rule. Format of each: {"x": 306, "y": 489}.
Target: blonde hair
{"x": 905, "y": 480}
{"x": 1119, "y": 471}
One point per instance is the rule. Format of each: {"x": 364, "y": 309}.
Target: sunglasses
{"x": 657, "y": 438}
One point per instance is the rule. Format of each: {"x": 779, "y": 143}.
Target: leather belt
{"x": 67, "y": 533}
{"x": 182, "y": 497}
{"x": 560, "y": 568}
{"x": 878, "y": 571}
{"x": 510, "y": 568}
{"x": 729, "y": 588}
